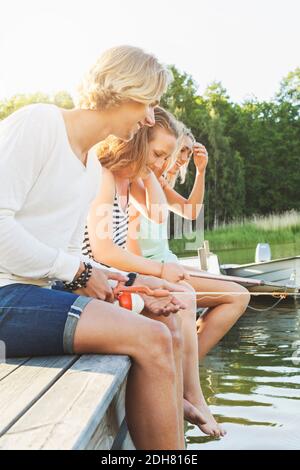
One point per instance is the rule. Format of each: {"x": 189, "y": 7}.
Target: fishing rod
{"x": 238, "y": 280}
{"x": 124, "y": 296}
{"x": 223, "y": 277}
{"x": 164, "y": 292}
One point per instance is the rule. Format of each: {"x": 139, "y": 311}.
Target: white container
{"x": 262, "y": 252}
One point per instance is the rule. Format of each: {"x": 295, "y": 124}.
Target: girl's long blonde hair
{"x": 116, "y": 154}
{"x": 123, "y": 73}
{"x": 184, "y": 131}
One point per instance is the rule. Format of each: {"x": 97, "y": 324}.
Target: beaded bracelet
{"x": 82, "y": 280}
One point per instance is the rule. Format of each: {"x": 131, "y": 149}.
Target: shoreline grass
{"x": 273, "y": 229}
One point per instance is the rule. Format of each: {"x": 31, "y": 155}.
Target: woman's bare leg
{"x": 151, "y": 408}
{"x": 173, "y": 322}
{"x": 196, "y": 409}
{"x": 190, "y": 354}
{"x": 225, "y": 309}
{"x": 210, "y": 331}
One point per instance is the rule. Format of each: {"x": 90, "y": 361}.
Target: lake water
{"x": 252, "y": 378}
{"x": 247, "y": 255}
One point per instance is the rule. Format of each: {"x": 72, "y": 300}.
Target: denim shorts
{"x": 36, "y": 321}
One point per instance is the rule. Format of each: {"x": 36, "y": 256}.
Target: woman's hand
{"x": 200, "y": 156}
{"x": 174, "y": 272}
{"x": 161, "y": 305}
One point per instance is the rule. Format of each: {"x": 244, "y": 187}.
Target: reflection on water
{"x": 252, "y": 382}
{"x": 247, "y": 255}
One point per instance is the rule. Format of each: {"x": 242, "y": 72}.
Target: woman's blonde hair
{"x": 184, "y": 131}
{"x": 123, "y": 73}
{"x": 165, "y": 120}
{"x": 116, "y": 154}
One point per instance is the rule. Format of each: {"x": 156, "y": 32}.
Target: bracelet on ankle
{"x": 82, "y": 280}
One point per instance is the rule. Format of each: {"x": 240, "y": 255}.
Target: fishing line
{"x": 281, "y": 296}
{"x": 267, "y": 308}
{"x": 275, "y": 294}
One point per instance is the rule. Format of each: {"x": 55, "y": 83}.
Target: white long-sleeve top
{"x": 45, "y": 192}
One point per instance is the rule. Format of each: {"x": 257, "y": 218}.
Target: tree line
{"x": 254, "y": 147}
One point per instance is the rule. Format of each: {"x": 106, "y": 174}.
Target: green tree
{"x": 8, "y": 106}
{"x": 289, "y": 90}
{"x": 254, "y": 147}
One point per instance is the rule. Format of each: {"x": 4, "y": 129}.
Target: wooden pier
{"x": 64, "y": 402}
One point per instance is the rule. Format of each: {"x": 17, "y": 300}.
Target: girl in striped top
{"x": 128, "y": 185}
{"x": 120, "y": 223}
{"x": 124, "y": 163}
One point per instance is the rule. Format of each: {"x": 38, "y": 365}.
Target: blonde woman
{"x": 231, "y": 301}
{"x": 222, "y": 309}
{"x": 49, "y": 174}
{"x": 126, "y": 178}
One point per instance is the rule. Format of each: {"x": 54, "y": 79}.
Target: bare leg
{"x": 151, "y": 407}
{"x": 196, "y": 409}
{"x": 187, "y": 365}
{"x": 192, "y": 388}
{"x": 225, "y": 309}
{"x": 173, "y": 322}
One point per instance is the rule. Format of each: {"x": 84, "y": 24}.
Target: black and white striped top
{"x": 119, "y": 227}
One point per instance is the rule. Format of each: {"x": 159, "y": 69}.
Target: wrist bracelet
{"x": 131, "y": 279}
{"x": 82, "y": 280}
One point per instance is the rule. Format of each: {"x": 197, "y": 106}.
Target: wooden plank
{"x": 113, "y": 405}
{"x": 69, "y": 414}
{"x": 10, "y": 365}
{"x": 109, "y": 430}
{"x": 112, "y": 425}
{"x": 26, "y": 384}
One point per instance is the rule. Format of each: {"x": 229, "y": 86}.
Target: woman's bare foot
{"x": 192, "y": 414}
{"x": 212, "y": 428}
{"x": 206, "y": 422}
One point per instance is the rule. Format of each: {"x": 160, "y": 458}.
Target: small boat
{"x": 265, "y": 275}
{"x": 279, "y": 271}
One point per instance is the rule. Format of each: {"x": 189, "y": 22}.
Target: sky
{"x": 248, "y": 45}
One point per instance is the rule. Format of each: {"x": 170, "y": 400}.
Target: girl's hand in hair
{"x": 174, "y": 272}
{"x": 200, "y": 156}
